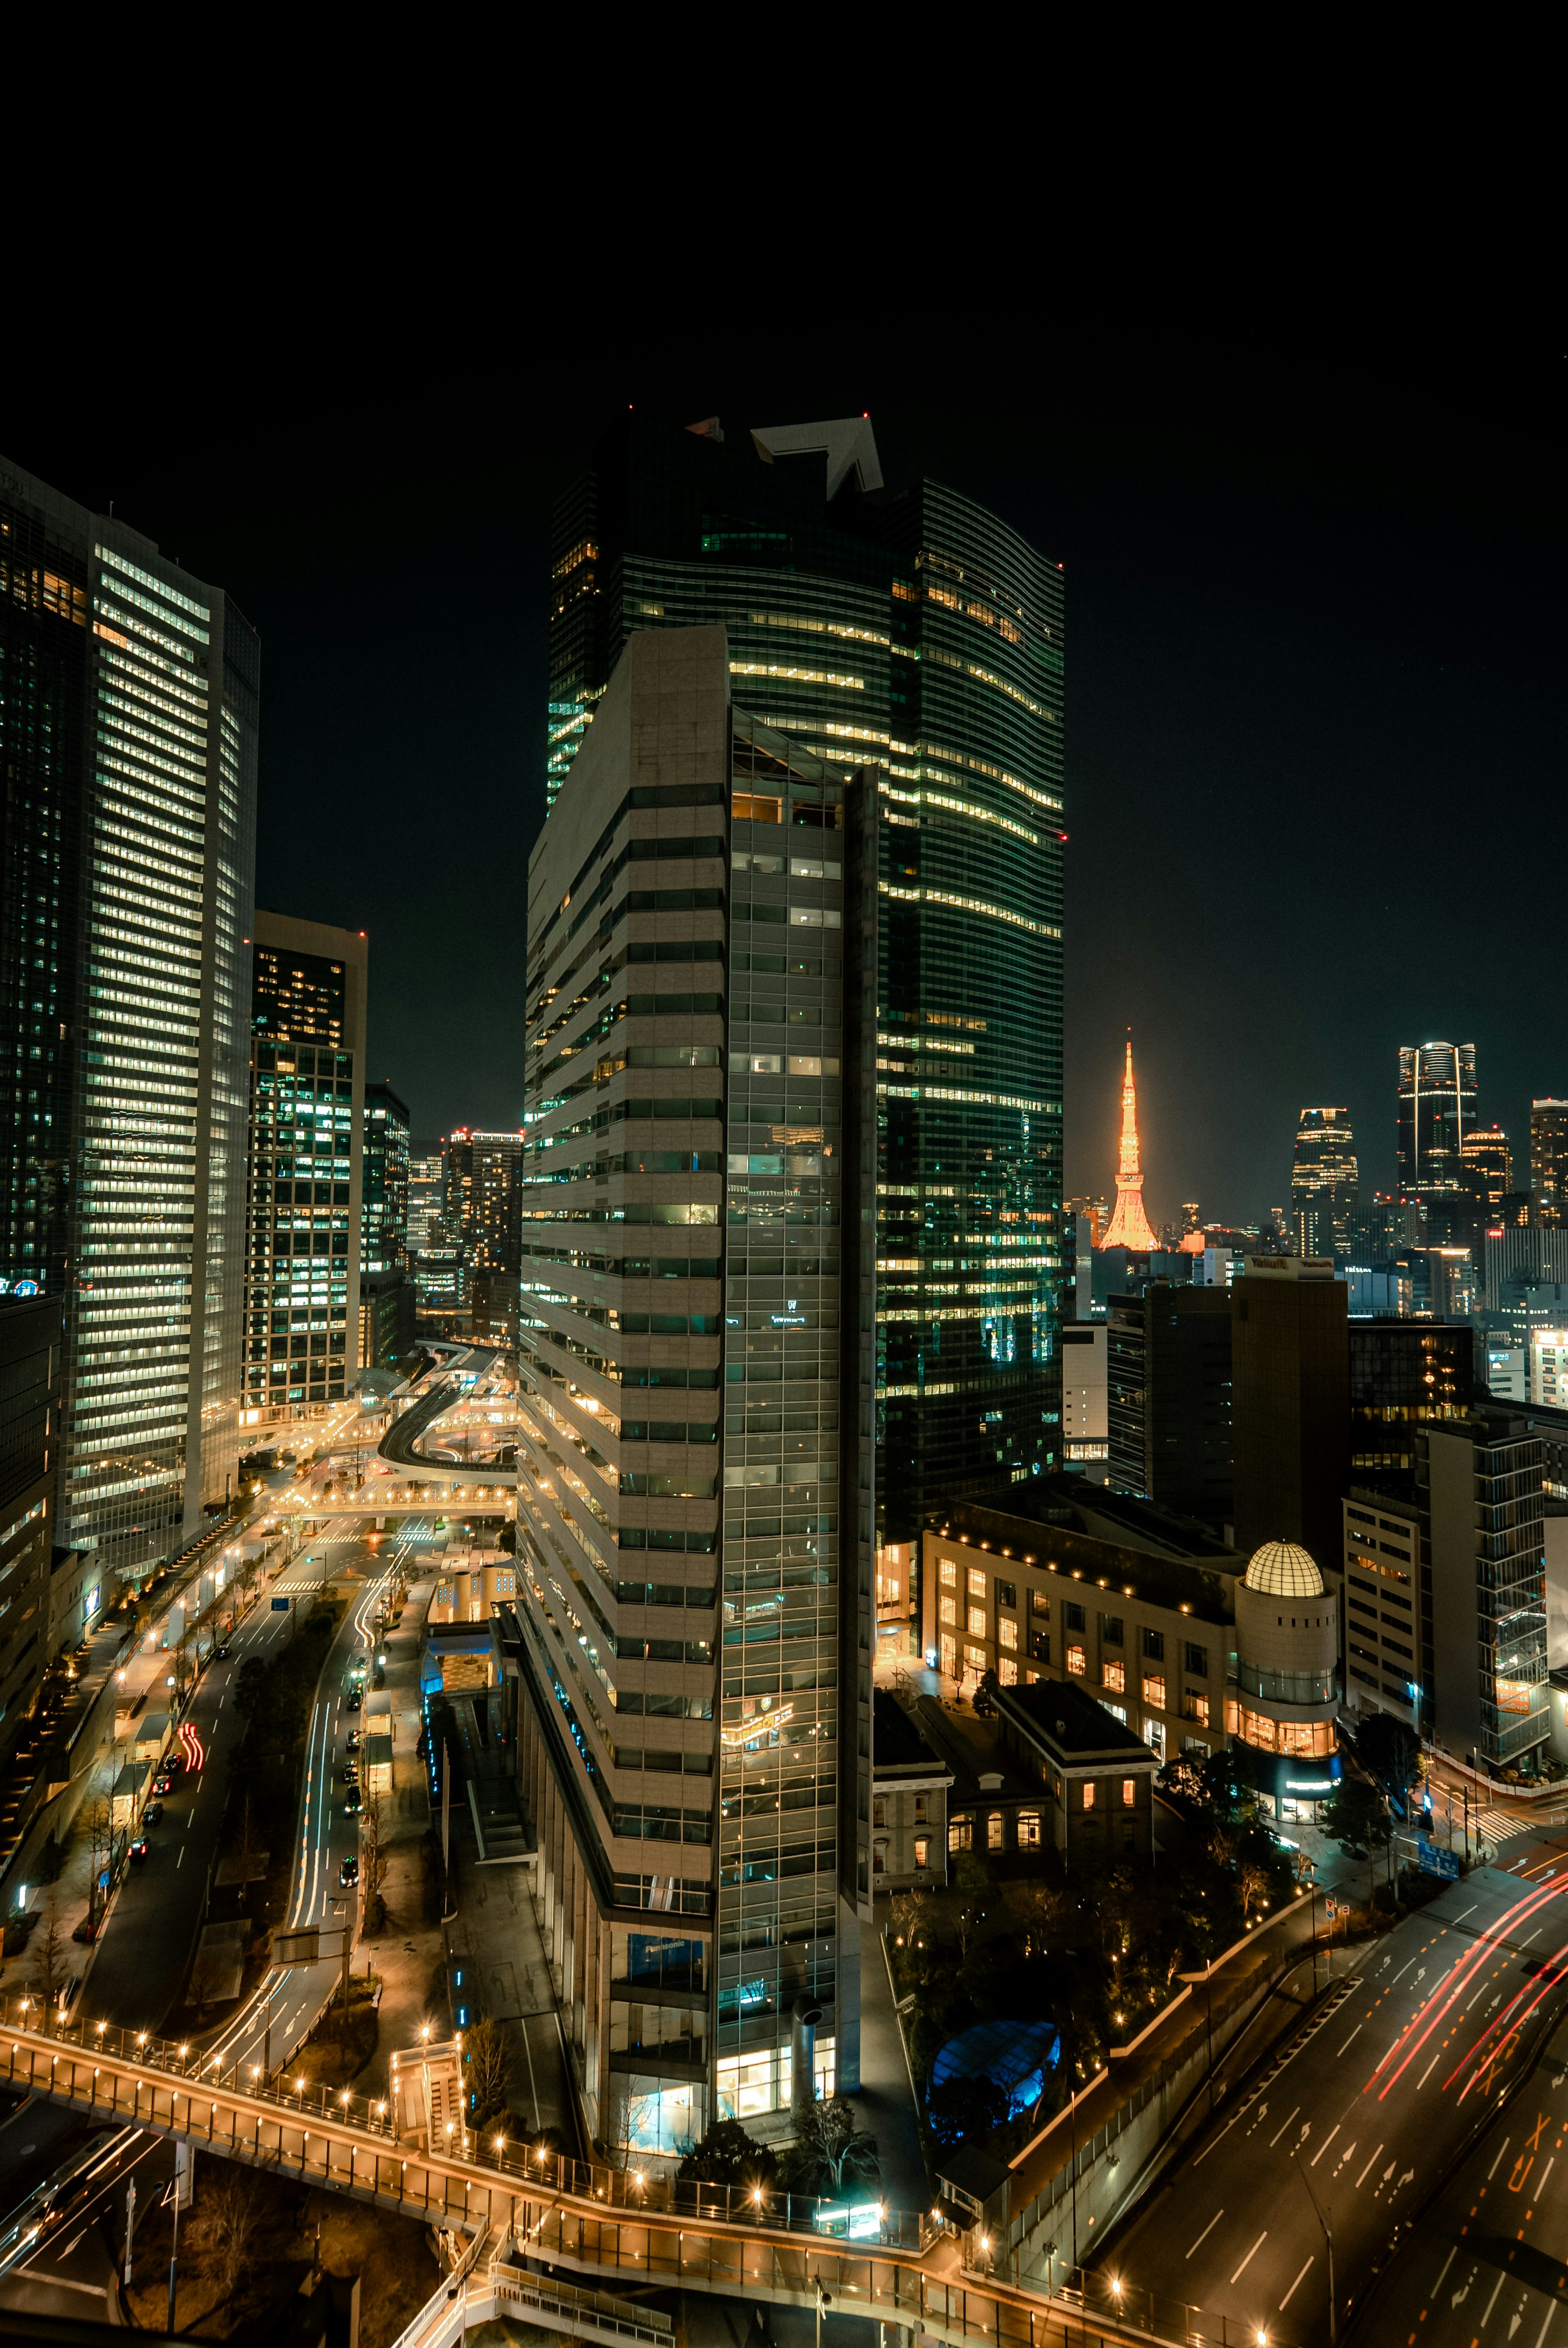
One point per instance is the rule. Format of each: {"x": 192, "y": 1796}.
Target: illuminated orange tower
{"x": 1128, "y": 1225}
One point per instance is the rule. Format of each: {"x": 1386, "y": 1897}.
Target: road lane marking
{"x": 1492, "y": 2302}
{"x": 1296, "y": 2286}
{"x": 1324, "y": 2145}
{"x": 1252, "y": 2254}
{"x": 1404, "y": 1969}
{"x": 1447, "y": 2263}
{"x": 1362, "y": 2179}
{"x": 1491, "y": 2172}
{"x": 1354, "y": 2034}
{"x": 1203, "y": 2238}
{"x": 1274, "y": 2139}
{"x": 180, "y": 1860}
{"x": 1431, "y": 2066}
{"x": 1545, "y": 2320}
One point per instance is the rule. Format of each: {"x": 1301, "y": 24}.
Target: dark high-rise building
{"x": 128, "y": 711}
{"x": 697, "y": 1363}
{"x": 1438, "y": 1107}
{"x": 1168, "y": 1399}
{"x": 307, "y": 1120}
{"x": 920, "y": 633}
{"x": 384, "y": 1205}
{"x": 483, "y": 1197}
{"x": 1549, "y": 1160}
{"x": 1324, "y": 1182}
{"x": 30, "y": 1330}
{"x": 1482, "y": 1511}
{"x": 1404, "y": 1374}
{"x": 1290, "y": 1400}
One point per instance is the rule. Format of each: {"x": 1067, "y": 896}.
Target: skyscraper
{"x": 1488, "y": 1164}
{"x": 1437, "y": 1109}
{"x": 482, "y": 1196}
{"x": 307, "y": 1126}
{"x": 384, "y": 1217}
{"x": 1290, "y": 1404}
{"x": 128, "y": 712}
{"x": 918, "y": 632}
{"x": 1324, "y": 1182}
{"x": 697, "y": 1368}
{"x": 1549, "y": 1160}
{"x": 1129, "y": 1227}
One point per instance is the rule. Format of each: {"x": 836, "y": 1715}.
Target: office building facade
{"x": 1486, "y": 1165}
{"x": 1482, "y": 1511}
{"x": 696, "y": 1367}
{"x": 1389, "y": 1660}
{"x": 1085, "y": 1372}
{"x": 1324, "y": 1182}
{"x": 1438, "y": 1107}
{"x": 920, "y": 634}
{"x": 1549, "y": 1160}
{"x": 385, "y": 1160}
{"x": 128, "y": 711}
{"x": 306, "y": 1198}
{"x": 1168, "y": 1399}
{"x": 482, "y": 1201}
{"x": 30, "y": 1333}
{"x": 1291, "y": 1406}
{"x": 1404, "y": 1374}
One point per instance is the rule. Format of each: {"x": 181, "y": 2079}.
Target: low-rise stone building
{"x": 910, "y": 1790}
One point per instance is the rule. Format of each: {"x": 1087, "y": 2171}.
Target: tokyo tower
{"x": 1129, "y": 1226}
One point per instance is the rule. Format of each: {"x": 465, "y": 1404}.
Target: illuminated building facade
{"x": 1324, "y": 1182}
{"x": 483, "y": 1198}
{"x": 1284, "y": 1686}
{"x": 129, "y": 710}
{"x": 388, "y": 1158}
{"x": 919, "y": 633}
{"x": 1482, "y": 1513}
{"x": 307, "y": 1124}
{"x": 1488, "y": 1164}
{"x": 1437, "y": 1109}
{"x": 1549, "y": 1160}
{"x": 1129, "y": 1226}
{"x": 696, "y": 1402}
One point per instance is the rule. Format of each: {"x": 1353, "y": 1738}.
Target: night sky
{"x": 1314, "y": 717}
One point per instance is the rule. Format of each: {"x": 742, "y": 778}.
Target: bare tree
{"x": 488, "y": 2059}
{"x": 231, "y": 2212}
{"x": 100, "y": 1841}
{"x": 1041, "y": 1911}
{"x": 1252, "y": 1882}
{"x": 49, "y": 1969}
{"x": 372, "y": 1854}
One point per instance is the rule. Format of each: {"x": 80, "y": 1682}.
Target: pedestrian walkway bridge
{"x": 618, "y": 2230}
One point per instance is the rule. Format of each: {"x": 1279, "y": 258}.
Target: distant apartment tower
{"x": 918, "y": 632}
{"x": 1549, "y": 1160}
{"x": 483, "y": 1201}
{"x": 1290, "y": 1366}
{"x": 1324, "y": 1182}
{"x": 1437, "y": 1109}
{"x": 306, "y": 1204}
{"x": 697, "y": 1373}
{"x": 1486, "y": 1164}
{"x": 384, "y": 1203}
{"x": 129, "y": 710}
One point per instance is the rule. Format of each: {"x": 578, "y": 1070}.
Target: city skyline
{"x": 1262, "y": 652}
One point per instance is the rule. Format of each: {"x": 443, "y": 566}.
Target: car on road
{"x": 348, "y": 1873}
{"x": 352, "y": 1701}
{"x": 151, "y": 1815}
{"x": 163, "y": 1785}
{"x": 351, "y": 1803}
{"x": 140, "y": 1848}
{"x": 352, "y": 1741}
{"x": 221, "y": 1654}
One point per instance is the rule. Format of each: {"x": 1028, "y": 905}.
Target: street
{"x": 1351, "y": 2130}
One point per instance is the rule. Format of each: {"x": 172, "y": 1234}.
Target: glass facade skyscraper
{"x": 128, "y": 717}
{"x": 919, "y": 633}
{"x": 307, "y": 1124}
{"x": 388, "y": 1158}
{"x": 1438, "y": 1107}
{"x": 1324, "y": 1182}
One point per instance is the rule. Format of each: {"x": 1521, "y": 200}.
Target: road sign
{"x": 281, "y": 1605}
{"x": 301, "y": 1947}
{"x": 1434, "y": 1861}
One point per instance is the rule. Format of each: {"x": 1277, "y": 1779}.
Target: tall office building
{"x": 1290, "y": 1404}
{"x": 383, "y": 1199}
{"x": 1483, "y": 1514}
{"x": 307, "y": 1128}
{"x": 128, "y": 714}
{"x": 1437, "y": 1109}
{"x": 917, "y": 632}
{"x": 1549, "y": 1160}
{"x": 697, "y": 1371}
{"x": 1168, "y": 1400}
{"x": 29, "y": 1405}
{"x": 1404, "y": 1374}
{"x": 1324, "y": 1182}
{"x": 1486, "y": 1164}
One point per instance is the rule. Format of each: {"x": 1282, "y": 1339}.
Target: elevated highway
{"x": 613, "y": 2228}
{"x": 453, "y": 1384}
